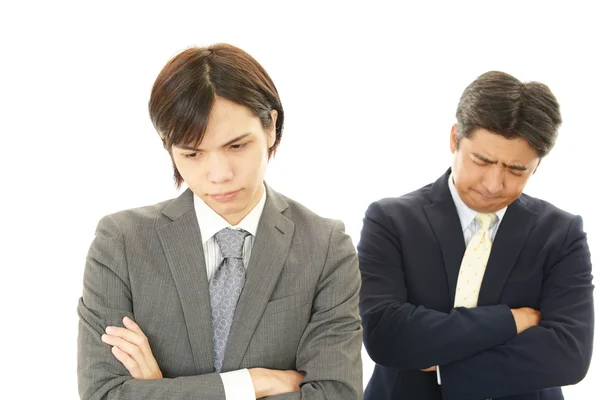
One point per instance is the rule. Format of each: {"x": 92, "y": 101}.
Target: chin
{"x": 482, "y": 206}
{"x": 490, "y": 208}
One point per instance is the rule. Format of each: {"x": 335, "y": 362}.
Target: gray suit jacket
{"x": 298, "y": 309}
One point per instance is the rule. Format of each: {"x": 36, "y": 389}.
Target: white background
{"x": 369, "y": 91}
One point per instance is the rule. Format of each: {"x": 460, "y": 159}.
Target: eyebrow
{"x": 515, "y": 167}
{"x": 232, "y": 141}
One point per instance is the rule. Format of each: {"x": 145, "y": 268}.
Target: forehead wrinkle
{"x": 510, "y": 162}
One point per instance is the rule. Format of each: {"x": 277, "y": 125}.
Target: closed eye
{"x": 515, "y": 173}
{"x": 481, "y": 163}
{"x": 481, "y": 160}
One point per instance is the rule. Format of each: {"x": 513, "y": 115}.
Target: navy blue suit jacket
{"x": 410, "y": 252}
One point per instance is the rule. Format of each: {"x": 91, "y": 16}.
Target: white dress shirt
{"x": 237, "y": 384}
{"x": 470, "y": 225}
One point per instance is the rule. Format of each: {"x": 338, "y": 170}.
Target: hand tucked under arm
{"x": 269, "y": 382}
{"x": 131, "y": 348}
{"x": 525, "y": 318}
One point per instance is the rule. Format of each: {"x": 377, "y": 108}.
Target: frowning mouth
{"x": 488, "y": 197}
{"x": 225, "y": 196}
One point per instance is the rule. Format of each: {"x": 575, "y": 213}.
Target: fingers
{"x": 132, "y": 326}
{"x": 138, "y": 338}
{"x": 130, "y": 340}
{"x": 132, "y": 349}
{"x": 130, "y": 355}
{"x": 128, "y": 362}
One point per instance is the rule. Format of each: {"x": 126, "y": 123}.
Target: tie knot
{"x": 485, "y": 220}
{"x": 231, "y": 242}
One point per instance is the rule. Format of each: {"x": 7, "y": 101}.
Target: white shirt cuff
{"x": 238, "y": 385}
{"x": 439, "y": 377}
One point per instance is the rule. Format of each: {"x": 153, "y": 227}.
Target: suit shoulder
{"x": 546, "y": 210}
{"x": 305, "y": 217}
{"x": 137, "y": 217}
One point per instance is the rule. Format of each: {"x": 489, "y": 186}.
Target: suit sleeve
{"x": 555, "y": 353}
{"x": 329, "y": 353}
{"x": 398, "y": 334}
{"x": 106, "y": 299}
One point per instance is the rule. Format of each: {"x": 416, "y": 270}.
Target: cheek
{"x": 185, "y": 169}
{"x": 515, "y": 188}
{"x": 194, "y": 174}
{"x": 259, "y": 159}
{"x": 468, "y": 177}
{"x": 251, "y": 167}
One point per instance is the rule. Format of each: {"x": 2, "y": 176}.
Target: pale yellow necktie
{"x": 473, "y": 263}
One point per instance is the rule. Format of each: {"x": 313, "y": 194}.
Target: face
{"x": 490, "y": 171}
{"x": 228, "y": 168}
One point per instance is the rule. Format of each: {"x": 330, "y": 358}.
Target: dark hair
{"x": 500, "y": 103}
{"x": 185, "y": 90}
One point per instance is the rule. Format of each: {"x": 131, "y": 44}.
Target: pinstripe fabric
{"x": 298, "y": 309}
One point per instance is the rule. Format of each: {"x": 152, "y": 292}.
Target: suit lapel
{"x": 269, "y": 254}
{"x": 182, "y": 245}
{"x": 444, "y": 221}
{"x": 510, "y": 238}
{"x": 506, "y": 247}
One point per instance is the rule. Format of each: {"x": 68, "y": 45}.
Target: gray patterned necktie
{"x": 225, "y": 288}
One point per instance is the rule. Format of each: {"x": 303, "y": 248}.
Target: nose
{"x": 493, "y": 179}
{"x": 219, "y": 168}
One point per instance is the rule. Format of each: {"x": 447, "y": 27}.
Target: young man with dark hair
{"x": 237, "y": 292}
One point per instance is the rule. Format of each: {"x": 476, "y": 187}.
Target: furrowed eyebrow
{"x": 515, "y": 167}
{"x": 237, "y": 139}
{"x": 232, "y": 141}
{"x": 483, "y": 158}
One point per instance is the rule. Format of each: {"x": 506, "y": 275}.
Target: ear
{"x": 272, "y": 133}
{"x": 453, "y": 139}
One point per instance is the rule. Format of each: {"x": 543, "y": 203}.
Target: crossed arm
{"x": 131, "y": 347}
{"x": 116, "y": 362}
{"x": 492, "y": 345}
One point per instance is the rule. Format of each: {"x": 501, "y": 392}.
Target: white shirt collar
{"x": 210, "y": 222}
{"x": 466, "y": 214}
